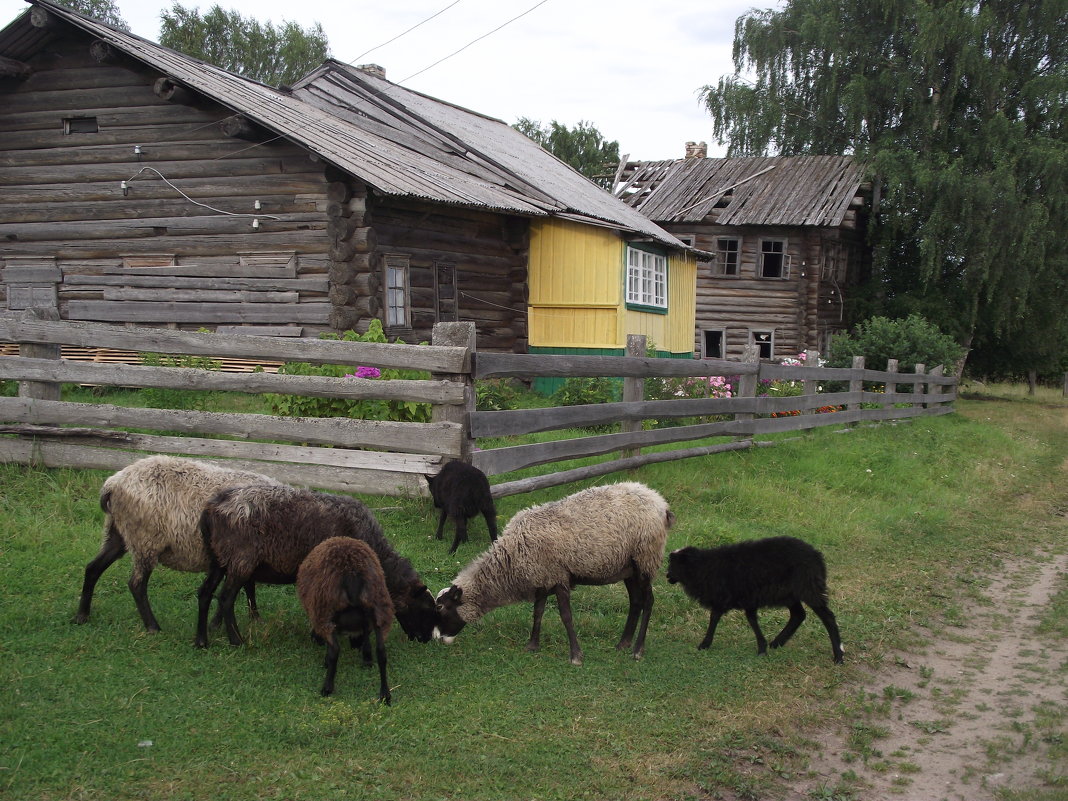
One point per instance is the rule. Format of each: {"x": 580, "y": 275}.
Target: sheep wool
{"x": 600, "y": 535}
{"x": 152, "y": 509}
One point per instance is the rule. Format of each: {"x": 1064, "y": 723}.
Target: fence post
{"x": 856, "y": 384}
{"x": 1064, "y": 392}
{"x": 457, "y": 335}
{"x": 891, "y": 386}
{"x": 39, "y": 390}
{"x": 918, "y": 385}
{"x": 935, "y": 389}
{"x": 747, "y": 384}
{"x": 810, "y": 385}
{"x": 633, "y": 389}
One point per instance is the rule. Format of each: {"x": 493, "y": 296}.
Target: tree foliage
{"x": 257, "y": 50}
{"x": 103, "y": 10}
{"x": 583, "y": 147}
{"x": 960, "y": 110}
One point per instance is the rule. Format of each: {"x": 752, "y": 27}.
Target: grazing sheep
{"x": 462, "y": 491}
{"x": 777, "y": 571}
{"x": 341, "y": 586}
{"x": 152, "y": 509}
{"x": 262, "y": 533}
{"x": 600, "y": 535}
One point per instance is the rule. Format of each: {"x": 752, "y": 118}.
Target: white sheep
{"x": 600, "y": 535}
{"x": 152, "y": 509}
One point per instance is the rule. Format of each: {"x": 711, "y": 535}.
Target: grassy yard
{"x": 910, "y": 518}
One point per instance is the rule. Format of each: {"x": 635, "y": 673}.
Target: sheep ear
{"x": 451, "y": 594}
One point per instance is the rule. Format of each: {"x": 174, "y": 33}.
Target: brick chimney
{"x": 696, "y": 150}
{"x": 373, "y": 69}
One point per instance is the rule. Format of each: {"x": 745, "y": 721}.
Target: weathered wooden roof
{"x": 398, "y": 141}
{"x": 772, "y": 190}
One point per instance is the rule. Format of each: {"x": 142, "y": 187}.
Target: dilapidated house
{"x": 140, "y": 186}
{"x": 786, "y": 236}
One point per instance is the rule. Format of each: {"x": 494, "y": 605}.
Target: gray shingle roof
{"x": 398, "y": 141}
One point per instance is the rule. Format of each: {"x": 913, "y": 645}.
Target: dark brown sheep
{"x": 751, "y": 575}
{"x": 462, "y": 491}
{"x": 262, "y": 533}
{"x": 341, "y": 587}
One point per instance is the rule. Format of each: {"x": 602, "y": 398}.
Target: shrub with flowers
{"x": 713, "y": 386}
{"x": 781, "y": 388}
{"x": 363, "y": 409}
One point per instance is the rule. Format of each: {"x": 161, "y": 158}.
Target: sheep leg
{"x": 713, "y": 621}
{"x": 563, "y": 601}
{"x": 204, "y": 596}
{"x": 461, "y": 533}
{"x": 754, "y": 624}
{"x": 827, "y": 616}
{"x": 490, "y": 513}
{"x": 534, "y": 643}
{"x": 380, "y": 655}
{"x": 441, "y": 524}
{"x": 797, "y": 617}
{"x": 226, "y": 607}
{"x": 332, "y": 651}
{"x": 645, "y": 584}
{"x": 142, "y": 571}
{"x": 250, "y": 595}
{"x": 634, "y": 610}
{"x": 112, "y": 549}
{"x": 365, "y": 649}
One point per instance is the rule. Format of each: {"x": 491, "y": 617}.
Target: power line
{"x": 399, "y": 35}
{"x": 473, "y": 41}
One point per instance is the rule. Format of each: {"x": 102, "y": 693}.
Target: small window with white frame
{"x": 774, "y": 260}
{"x": 765, "y": 343}
{"x": 646, "y": 278}
{"x": 728, "y": 254}
{"x": 398, "y": 306}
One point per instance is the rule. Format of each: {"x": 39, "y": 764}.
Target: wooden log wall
{"x": 71, "y": 235}
{"x": 801, "y": 311}
{"x": 489, "y": 257}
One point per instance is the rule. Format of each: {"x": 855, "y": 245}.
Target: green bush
{"x": 911, "y": 341}
{"x": 368, "y": 409}
{"x": 590, "y": 391}
{"x": 192, "y": 399}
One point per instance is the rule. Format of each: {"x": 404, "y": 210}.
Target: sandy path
{"x": 971, "y": 712}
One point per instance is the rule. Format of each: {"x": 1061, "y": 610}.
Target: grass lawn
{"x": 910, "y": 518}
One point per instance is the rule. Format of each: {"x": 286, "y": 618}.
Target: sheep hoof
{"x": 576, "y": 660}
{"x": 80, "y": 618}
{"x": 533, "y": 647}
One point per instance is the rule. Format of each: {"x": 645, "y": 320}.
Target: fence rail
{"x": 385, "y": 457}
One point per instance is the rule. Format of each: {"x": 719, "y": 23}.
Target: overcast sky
{"x": 633, "y": 69}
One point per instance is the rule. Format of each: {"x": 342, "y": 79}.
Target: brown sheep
{"x": 342, "y": 588}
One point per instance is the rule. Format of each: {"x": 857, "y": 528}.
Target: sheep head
{"x": 417, "y": 613}
{"x": 677, "y": 562}
{"x": 448, "y": 609}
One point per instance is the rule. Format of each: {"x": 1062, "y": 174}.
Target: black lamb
{"x": 462, "y": 491}
{"x": 777, "y": 571}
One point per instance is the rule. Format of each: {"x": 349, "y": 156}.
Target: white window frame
{"x": 647, "y": 277}
{"x": 784, "y": 253}
{"x": 397, "y": 289}
{"x": 722, "y": 261}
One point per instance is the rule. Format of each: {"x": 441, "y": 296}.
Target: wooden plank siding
{"x": 577, "y": 299}
{"x": 61, "y": 199}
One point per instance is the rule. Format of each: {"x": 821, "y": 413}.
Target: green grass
{"x": 910, "y": 518}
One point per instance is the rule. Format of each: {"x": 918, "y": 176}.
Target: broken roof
{"x": 766, "y": 190}
{"x": 400, "y": 142}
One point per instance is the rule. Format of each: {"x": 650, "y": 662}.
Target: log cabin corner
{"x": 144, "y": 187}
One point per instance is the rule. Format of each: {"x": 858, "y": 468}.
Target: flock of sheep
{"x": 241, "y": 528}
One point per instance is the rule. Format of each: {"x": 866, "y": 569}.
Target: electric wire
{"x": 403, "y": 33}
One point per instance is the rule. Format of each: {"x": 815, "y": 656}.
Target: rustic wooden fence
{"x": 382, "y": 457}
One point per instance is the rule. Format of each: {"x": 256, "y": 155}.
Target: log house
{"x": 786, "y": 236}
{"x": 142, "y": 187}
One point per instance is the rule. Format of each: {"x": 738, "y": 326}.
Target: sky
{"x": 632, "y": 68}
